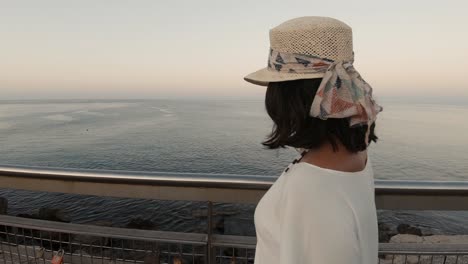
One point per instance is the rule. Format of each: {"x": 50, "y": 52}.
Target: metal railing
{"x": 33, "y": 241}
{"x": 37, "y": 241}
{"x": 224, "y": 188}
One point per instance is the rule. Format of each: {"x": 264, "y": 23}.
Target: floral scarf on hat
{"x": 342, "y": 92}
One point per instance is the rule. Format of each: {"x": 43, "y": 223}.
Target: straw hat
{"x": 320, "y": 47}
{"x": 302, "y": 48}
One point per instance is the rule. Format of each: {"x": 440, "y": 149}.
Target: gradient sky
{"x": 53, "y": 49}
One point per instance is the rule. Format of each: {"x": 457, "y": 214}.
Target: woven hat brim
{"x": 264, "y": 76}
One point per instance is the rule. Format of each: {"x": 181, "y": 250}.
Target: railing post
{"x": 210, "y": 254}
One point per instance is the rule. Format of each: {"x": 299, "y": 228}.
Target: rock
{"x": 385, "y": 233}
{"x": 89, "y": 240}
{"x": 446, "y": 239}
{"x": 93, "y": 240}
{"x": 3, "y": 205}
{"x": 53, "y": 214}
{"x": 140, "y": 223}
{"x": 406, "y": 238}
{"x": 407, "y": 229}
{"x": 238, "y": 226}
{"x": 218, "y": 226}
{"x": 426, "y": 232}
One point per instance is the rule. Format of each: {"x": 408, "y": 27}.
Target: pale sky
{"x": 54, "y": 49}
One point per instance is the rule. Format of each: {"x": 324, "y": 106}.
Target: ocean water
{"x": 417, "y": 141}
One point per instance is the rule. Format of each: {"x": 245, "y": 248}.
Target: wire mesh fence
{"x": 424, "y": 259}
{"x": 25, "y": 240}
{"x": 21, "y": 243}
{"x": 416, "y": 253}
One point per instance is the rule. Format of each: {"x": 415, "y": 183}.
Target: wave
{"x": 59, "y": 117}
{"x": 163, "y": 110}
{"x": 87, "y": 112}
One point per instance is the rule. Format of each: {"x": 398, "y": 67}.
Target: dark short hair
{"x": 288, "y": 104}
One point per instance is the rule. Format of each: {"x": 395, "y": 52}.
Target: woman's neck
{"x": 341, "y": 160}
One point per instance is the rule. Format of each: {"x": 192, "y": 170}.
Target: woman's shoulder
{"x": 302, "y": 180}
{"x": 305, "y": 171}
{"x": 305, "y": 178}
{"x": 307, "y": 191}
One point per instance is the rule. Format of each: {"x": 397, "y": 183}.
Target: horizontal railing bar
{"x": 231, "y": 240}
{"x": 421, "y": 187}
{"x": 100, "y": 231}
{"x": 226, "y": 188}
{"x": 423, "y": 249}
{"x": 207, "y": 180}
{"x": 144, "y": 178}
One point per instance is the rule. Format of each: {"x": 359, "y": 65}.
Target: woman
{"x": 321, "y": 209}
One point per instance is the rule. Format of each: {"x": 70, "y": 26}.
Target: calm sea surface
{"x": 417, "y": 141}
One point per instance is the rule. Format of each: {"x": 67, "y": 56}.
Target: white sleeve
{"x": 316, "y": 224}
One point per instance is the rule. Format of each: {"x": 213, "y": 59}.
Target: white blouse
{"x": 317, "y": 215}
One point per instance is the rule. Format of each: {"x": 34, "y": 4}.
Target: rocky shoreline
{"x": 224, "y": 223}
